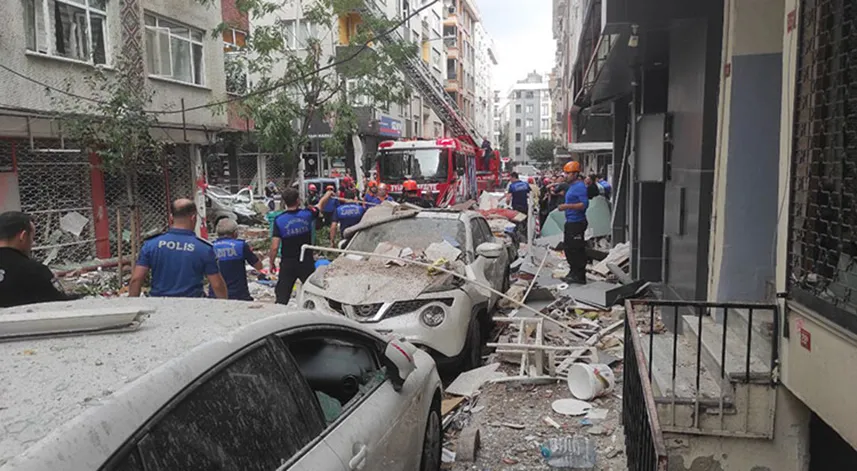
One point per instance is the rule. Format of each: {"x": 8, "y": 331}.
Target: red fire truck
{"x": 448, "y": 169}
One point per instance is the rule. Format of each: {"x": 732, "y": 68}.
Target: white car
{"x": 210, "y": 385}
{"x": 448, "y": 318}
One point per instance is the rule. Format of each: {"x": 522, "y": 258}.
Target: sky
{"x": 523, "y": 38}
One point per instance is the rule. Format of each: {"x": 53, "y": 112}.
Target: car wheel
{"x": 432, "y": 441}
{"x": 472, "y": 353}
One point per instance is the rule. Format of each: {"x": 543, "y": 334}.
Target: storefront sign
{"x": 389, "y": 127}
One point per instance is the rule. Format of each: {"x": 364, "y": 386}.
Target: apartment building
{"x": 56, "y": 44}
{"x": 459, "y": 33}
{"x": 530, "y": 114}
{"x": 567, "y": 26}
{"x": 433, "y": 53}
{"x": 733, "y": 160}
{"x": 485, "y": 61}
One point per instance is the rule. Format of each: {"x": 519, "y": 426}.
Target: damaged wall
{"x": 788, "y": 451}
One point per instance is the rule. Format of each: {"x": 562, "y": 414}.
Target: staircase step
{"x": 762, "y": 334}
{"x": 735, "y": 366}
{"x": 685, "y": 374}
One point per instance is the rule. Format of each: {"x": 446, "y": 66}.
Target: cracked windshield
{"x": 424, "y": 235}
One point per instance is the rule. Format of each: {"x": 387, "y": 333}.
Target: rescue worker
{"x": 271, "y": 191}
{"x": 22, "y": 279}
{"x": 347, "y": 214}
{"x": 178, "y": 259}
{"x": 518, "y": 193}
{"x": 486, "y": 159}
{"x": 329, "y": 207}
{"x": 604, "y": 187}
{"x": 371, "y": 196}
{"x": 293, "y": 229}
{"x": 312, "y": 195}
{"x": 232, "y": 253}
{"x": 576, "y": 202}
{"x": 410, "y": 195}
{"x": 384, "y": 192}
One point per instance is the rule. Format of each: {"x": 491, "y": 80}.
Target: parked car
{"x": 200, "y": 384}
{"x": 450, "y": 320}
{"x": 221, "y": 204}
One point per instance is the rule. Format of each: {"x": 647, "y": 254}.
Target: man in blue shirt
{"x": 518, "y": 193}
{"x": 329, "y": 207}
{"x": 371, "y": 196}
{"x": 178, "y": 259}
{"x": 232, "y": 253}
{"x": 293, "y": 229}
{"x": 347, "y": 214}
{"x": 575, "y": 205}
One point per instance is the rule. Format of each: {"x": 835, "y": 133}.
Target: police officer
{"x": 348, "y": 214}
{"x": 293, "y": 229}
{"x": 232, "y": 253}
{"x": 576, "y": 202}
{"x": 518, "y": 193}
{"x": 22, "y": 279}
{"x": 178, "y": 259}
{"x": 409, "y": 195}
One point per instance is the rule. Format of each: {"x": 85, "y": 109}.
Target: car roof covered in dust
{"x": 57, "y": 388}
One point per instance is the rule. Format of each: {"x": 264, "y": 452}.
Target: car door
{"x": 370, "y": 426}
{"x": 248, "y": 413}
{"x": 486, "y": 270}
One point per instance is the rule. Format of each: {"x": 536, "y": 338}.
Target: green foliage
{"x": 290, "y": 92}
{"x": 541, "y": 150}
{"x": 504, "y": 141}
{"x": 117, "y": 127}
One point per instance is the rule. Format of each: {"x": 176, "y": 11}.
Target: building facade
{"x": 459, "y": 33}
{"x": 484, "y": 102}
{"x": 530, "y": 114}
{"x": 46, "y": 47}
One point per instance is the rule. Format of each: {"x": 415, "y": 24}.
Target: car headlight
{"x": 433, "y": 315}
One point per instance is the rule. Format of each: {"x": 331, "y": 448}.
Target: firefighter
{"x": 329, "y": 207}
{"x": 312, "y": 195}
{"x": 410, "y": 195}
{"x": 384, "y": 193}
{"x": 371, "y": 196}
{"x": 576, "y": 202}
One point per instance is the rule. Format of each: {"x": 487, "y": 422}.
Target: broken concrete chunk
{"x": 468, "y": 383}
{"x": 468, "y": 444}
{"x": 442, "y": 250}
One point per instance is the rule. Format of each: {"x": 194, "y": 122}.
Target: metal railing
{"x": 644, "y": 441}
{"x": 724, "y": 359}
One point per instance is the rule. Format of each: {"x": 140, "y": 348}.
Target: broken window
{"x": 74, "y": 29}
{"x": 251, "y": 415}
{"x": 479, "y": 234}
{"x": 339, "y": 369}
{"x": 174, "y": 51}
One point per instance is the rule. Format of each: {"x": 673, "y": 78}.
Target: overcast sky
{"x": 522, "y": 35}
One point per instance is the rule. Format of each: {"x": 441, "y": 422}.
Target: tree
{"x": 541, "y": 150}
{"x": 504, "y": 140}
{"x": 299, "y": 83}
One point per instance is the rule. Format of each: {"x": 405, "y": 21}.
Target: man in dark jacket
{"x": 22, "y": 279}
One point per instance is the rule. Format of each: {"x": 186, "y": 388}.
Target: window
{"x": 530, "y": 108}
{"x": 545, "y": 123}
{"x": 251, "y": 415}
{"x": 234, "y": 42}
{"x": 340, "y": 369}
{"x": 545, "y": 109}
{"x": 517, "y": 151}
{"x": 518, "y": 94}
{"x": 529, "y": 94}
{"x": 174, "y": 51}
{"x": 479, "y": 233}
{"x": 517, "y": 108}
{"x": 74, "y": 29}
{"x": 530, "y": 122}
{"x": 517, "y": 137}
{"x": 517, "y": 122}
{"x": 529, "y": 137}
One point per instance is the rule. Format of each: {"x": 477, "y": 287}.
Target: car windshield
{"x": 417, "y": 164}
{"x": 416, "y": 233}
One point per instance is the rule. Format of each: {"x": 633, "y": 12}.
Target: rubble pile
{"x": 549, "y": 396}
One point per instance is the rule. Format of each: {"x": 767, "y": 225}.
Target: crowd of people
{"x": 568, "y": 191}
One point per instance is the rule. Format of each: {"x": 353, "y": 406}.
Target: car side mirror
{"x": 342, "y": 244}
{"x": 399, "y": 361}
{"x": 489, "y": 250}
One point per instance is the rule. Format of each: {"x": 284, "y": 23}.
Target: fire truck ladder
{"x": 432, "y": 90}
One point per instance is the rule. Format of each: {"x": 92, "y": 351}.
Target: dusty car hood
{"x": 371, "y": 281}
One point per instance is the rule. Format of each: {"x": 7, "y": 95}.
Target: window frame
{"x": 50, "y": 29}
{"x": 281, "y": 355}
{"x": 189, "y": 39}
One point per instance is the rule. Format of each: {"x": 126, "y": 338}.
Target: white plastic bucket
{"x": 587, "y": 382}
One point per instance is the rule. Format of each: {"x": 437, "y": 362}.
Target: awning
{"x": 581, "y": 147}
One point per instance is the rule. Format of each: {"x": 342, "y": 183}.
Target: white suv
{"x": 205, "y": 385}
{"x": 445, "y": 316}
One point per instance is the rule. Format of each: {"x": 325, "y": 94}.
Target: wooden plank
{"x": 449, "y": 405}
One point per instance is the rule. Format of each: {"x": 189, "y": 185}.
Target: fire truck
{"x": 450, "y": 170}
{"x": 437, "y": 165}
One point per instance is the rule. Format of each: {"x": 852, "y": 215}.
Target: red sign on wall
{"x": 805, "y": 339}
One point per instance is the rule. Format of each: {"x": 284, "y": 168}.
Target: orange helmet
{"x": 312, "y": 187}
{"x": 409, "y": 185}
{"x": 372, "y": 183}
{"x": 572, "y": 167}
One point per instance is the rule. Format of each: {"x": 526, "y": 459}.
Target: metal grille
{"x": 823, "y": 208}
{"x": 248, "y": 171}
{"x": 644, "y": 442}
{"x": 277, "y": 170}
{"x": 55, "y": 188}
